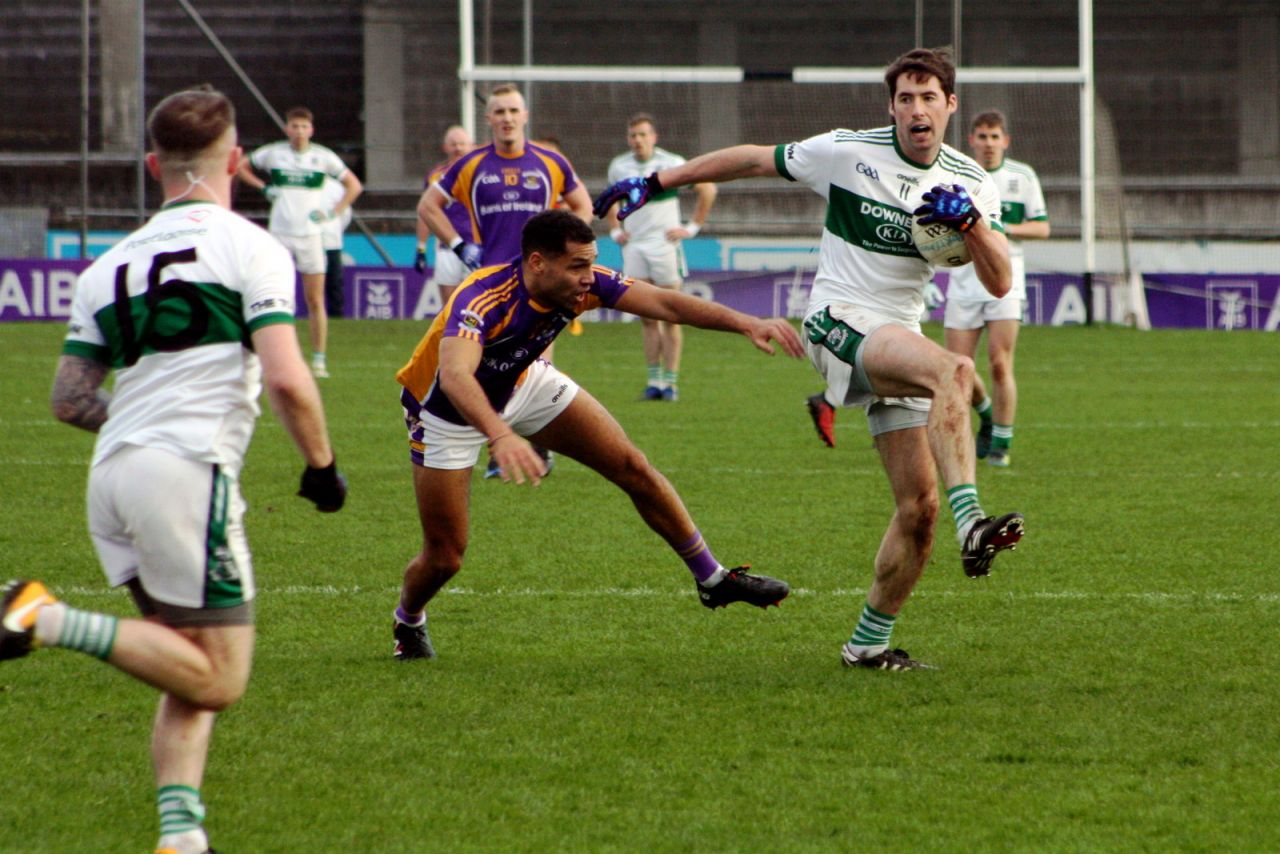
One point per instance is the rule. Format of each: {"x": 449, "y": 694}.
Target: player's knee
{"x": 445, "y": 557}
{"x": 957, "y": 373}
{"x": 218, "y": 688}
{"x": 919, "y": 514}
{"x": 634, "y": 473}
{"x": 1001, "y": 370}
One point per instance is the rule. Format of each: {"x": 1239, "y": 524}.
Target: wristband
{"x": 617, "y": 234}
{"x": 456, "y": 242}
{"x": 655, "y": 186}
{"x": 693, "y": 228}
{"x": 422, "y": 247}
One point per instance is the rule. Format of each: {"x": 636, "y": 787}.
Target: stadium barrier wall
{"x": 42, "y": 289}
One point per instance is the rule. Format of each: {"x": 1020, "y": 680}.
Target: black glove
{"x": 420, "y": 261}
{"x": 326, "y": 487}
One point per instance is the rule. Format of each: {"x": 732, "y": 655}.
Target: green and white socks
{"x": 1001, "y": 434}
{"x": 659, "y": 377}
{"x": 871, "y": 635}
{"x": 984, "y": 409}
{"x": 965, "y": 508}
{"x": 71, "y": 628}
{"x": 181, "y": 817}
{"x": 1001, "y": 437}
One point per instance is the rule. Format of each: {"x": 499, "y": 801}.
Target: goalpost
{"x": 736, "y": 98}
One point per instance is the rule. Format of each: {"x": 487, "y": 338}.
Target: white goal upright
{"x": 1053, "y": 116}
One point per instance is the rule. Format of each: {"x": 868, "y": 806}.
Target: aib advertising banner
{"x": 41, "y": 290}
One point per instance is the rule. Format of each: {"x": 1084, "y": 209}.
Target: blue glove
{"x": 631, "y": 192}
{"x": 952, "y": 208}
{"x": 326, "y": 487}
{"x": 470, "y": 253}
{"x": 272, "y": 193}
{"x": 420, "y": 261}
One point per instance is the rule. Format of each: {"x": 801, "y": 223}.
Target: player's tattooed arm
{"x": 78, "y": 397}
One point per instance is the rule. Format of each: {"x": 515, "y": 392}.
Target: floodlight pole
{"x": 84, "y": 129}
{"x": 467, "y": 64}
{"x": 1087, "y": 157}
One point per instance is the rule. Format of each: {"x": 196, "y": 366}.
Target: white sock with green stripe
{"x": 670, "y": 378}
{"x": 984, "y": 409}
{"x": 181, "y": 815}
{"x": 965, "y": 508}
{"x": 655, "y": 375}
{"x": 1001, "y": 436}
{"x": 871, "y": 635}
{"x": 71, "y": 628}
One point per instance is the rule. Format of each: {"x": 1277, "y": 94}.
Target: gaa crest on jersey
{"x": 532, "y": 179}
{"x": 470, "y": 319}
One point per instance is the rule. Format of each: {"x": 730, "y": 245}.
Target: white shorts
{"x": 439, "y": 444}
{"x": 449, "y": 271}
{"x": 657, "y": 263}
{"x": 833, "y": 338}
{"x": 975, "y": 314}
{"x": 174, "y": 524}
{"x": 307, "y": 251}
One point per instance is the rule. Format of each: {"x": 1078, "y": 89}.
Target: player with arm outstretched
{"x": 477, "y": 379}
{"x": 862, "y": 327}
{"x": 501, "y": 185}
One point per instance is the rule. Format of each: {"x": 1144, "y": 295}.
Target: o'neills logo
{"x": 563, "y": 388}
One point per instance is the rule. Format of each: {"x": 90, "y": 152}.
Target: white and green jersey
{"x": 650, "y": 223}
{"x": 171, "y": 309}
{"x": 298, "y": 176}
{"x": 1021, "y": 200}
{"x": 867, "y": 257}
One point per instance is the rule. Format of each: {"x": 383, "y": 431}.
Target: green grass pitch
{"x": 1111, "y": 687}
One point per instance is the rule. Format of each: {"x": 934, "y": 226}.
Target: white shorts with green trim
{"x": 175, "y": 524}
{"x": 660, "y": 264}
{"x": 833, "y": 338}
{"x": 307, "y": 251}
{"x": 975, "y": 314}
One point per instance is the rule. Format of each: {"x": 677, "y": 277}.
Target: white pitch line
{"x": 328, "y": 590}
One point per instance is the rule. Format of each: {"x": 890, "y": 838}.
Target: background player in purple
{"x": 502, "y": 184}
{"x": 475, "y": 378}
{"x": 449, "y": 270}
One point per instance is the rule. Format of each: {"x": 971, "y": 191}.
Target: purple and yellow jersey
{"x": 502, "y": 193}
{"x": 493, "y": 308}
{"x": 459, "y": 215}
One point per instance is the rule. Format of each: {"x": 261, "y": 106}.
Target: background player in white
{"x": 863, "y": 320}
{"x": 171, "y": 309}
{"x": 970, "y": 307}
{"x": 449, "y": 270}
{"x": 651, "y": 249}
{"x": 295, "y": 170}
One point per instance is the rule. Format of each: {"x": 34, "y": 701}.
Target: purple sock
{"x": 409, "y": 619}
{"x": 695, "y": 554}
